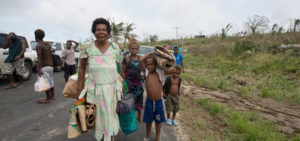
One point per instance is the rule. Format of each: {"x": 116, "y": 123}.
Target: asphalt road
{"x": 23, "y": 119}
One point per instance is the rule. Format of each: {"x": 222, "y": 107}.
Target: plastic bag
{"x": 128, "y": 122}
{"x": 42, "y": 84}
{"x": 125, "y": 104}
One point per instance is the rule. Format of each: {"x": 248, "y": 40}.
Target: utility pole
{"x": 176, "y": 28}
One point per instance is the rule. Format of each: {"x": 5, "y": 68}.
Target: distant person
{"x": 172, "y": 91}
{"x": 122, "y": 52}
{"x": 131, "y": 73}
{"x": 45, "y": 63}
{"x": 154, "y": 109}
{"x": 68, "y": 59}
{"x": 179, "y": 58}
{"x": 15, "y": 60}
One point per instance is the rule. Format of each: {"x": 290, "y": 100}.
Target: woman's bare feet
{"x": 44, "y": 101}
{"x": 20, "y": 86}
{"x": 11, "y": 85}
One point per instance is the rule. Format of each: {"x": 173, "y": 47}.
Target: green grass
{"x": 244, "y": 126}
{"x": 251, "y": 127}
{"x": 212, "y": 107}
{"x": 266, "y": 92}
{"x": 245, "y": 92}
{"x": 296, "y": 138}
{"x": 265, "y": 75}
{"x": 223, "y": 85}
{"x": 195, "y": 138}
{"x": 198, "y": 123}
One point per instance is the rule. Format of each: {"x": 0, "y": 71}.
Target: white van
{"x": 57, "y": 47}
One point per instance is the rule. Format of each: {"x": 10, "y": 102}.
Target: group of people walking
{"x": 104, "y": 86}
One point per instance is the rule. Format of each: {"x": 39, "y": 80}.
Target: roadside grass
{"x": 206, "y": 120}
{"x": 296, "y": 138}
{"x": 265, "y": 75}
{"x": 212, "y": 107}
{"x": 245, "y": 126}
{"x": 197, "y": 122}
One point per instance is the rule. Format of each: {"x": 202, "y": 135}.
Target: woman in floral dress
{"x": 103, "y": 86}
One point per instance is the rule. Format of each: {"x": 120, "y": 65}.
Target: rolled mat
{"x": 163, "y": 53}
{"x": 164, "y": 59}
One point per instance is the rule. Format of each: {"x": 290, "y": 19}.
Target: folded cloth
{"x": 164, "y": 59}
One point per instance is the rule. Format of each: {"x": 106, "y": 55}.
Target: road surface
{"x": 23, "y": 119}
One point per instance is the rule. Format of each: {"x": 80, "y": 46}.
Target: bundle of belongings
{"x": 83, "y": 114}
{"x": 126, "y": 112}
{"x": 164, "y": 59}
{"x": 70, "y": 90}
{"x": 82, "y": 118}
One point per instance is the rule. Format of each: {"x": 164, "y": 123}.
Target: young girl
{"x": 130, "y": 72}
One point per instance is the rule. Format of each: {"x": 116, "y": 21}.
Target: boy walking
{"x": 172, "y": 88}
{"x": 154, "y": 104}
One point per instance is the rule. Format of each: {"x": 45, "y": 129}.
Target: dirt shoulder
{"x": 285, "y": 115}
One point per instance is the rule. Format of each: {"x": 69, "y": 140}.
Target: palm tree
{"x": 224, "y": 32}
{"x": 274, "y": 30}
{"x": 296, "y": 24}
{"x": 127, "y": 32}
{"x": 116, "y": 31}
{"x": 280, "y": 31}
{"x": 153, "y": 39}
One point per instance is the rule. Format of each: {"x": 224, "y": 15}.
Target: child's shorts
{"x": 154, "y": 110}
{"x": 172, "y": 103}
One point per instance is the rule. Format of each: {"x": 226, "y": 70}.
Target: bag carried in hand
{"x": 70, "y": 90}
{"x": 128, "y": 122}
{"x": 83, "y": 117}
{"x": 42, "y": 84}
{"x": 125, "y": 104}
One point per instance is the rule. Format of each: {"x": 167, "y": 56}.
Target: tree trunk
{"x": 222, "y": 44}
{"x": 124, "y": 42}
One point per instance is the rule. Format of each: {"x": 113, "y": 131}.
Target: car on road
{"x": 30, "y": 56}
{"x": 144, "y": 50}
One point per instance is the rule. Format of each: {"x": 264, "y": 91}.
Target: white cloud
{"x": 71, "y": 19}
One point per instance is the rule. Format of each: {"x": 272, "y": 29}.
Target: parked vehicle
{"x": 56, "y": 53}
{"x": 30, "y": 56}
{"x": 144, "y": 50}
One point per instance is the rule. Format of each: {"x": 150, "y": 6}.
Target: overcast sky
{"x": 72, "y": 19}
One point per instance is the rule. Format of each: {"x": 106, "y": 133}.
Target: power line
{"x": 176, "y": 28}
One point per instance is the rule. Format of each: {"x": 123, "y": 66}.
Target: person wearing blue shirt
{"x": 178, "y": 57}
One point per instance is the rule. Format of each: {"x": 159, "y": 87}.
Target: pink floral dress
{"x": 103, "y": 87}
